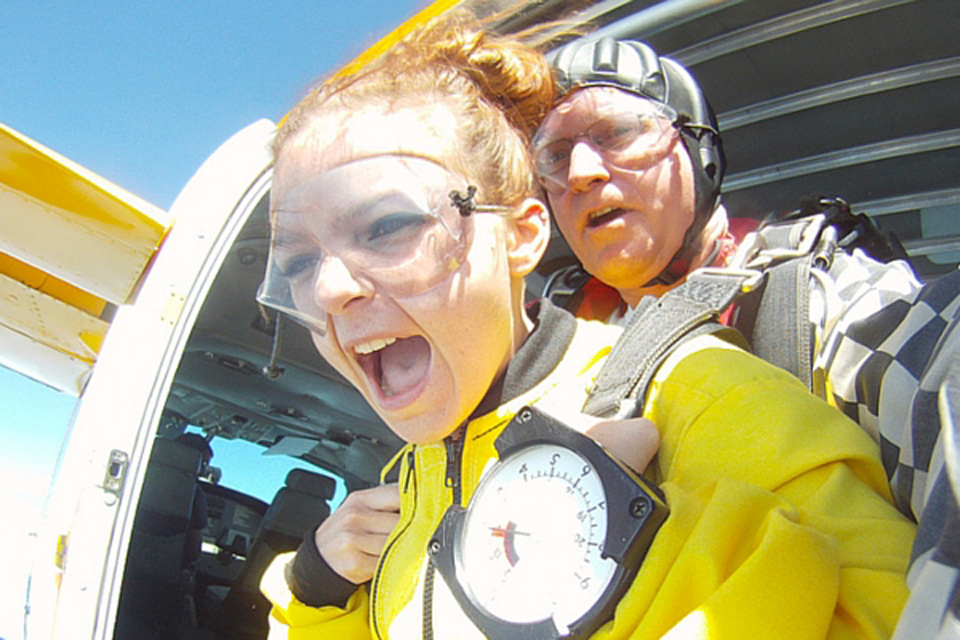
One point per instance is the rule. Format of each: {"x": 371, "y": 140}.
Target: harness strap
{"x": 658, "y": 325}
{"x": 775, "y": 318}
{"x": 772, "y": 266}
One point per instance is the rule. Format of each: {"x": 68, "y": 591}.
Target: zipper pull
{"x": 454, "y": 447}
{"x": 411, "y": 460}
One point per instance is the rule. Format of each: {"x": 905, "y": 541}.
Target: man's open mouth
{"x": 602, "y": 216}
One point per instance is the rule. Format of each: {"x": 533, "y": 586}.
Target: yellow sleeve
{"x": 731, "y": 562}
{"x": 731, "y": 422}
{"x": 290, "y": 619}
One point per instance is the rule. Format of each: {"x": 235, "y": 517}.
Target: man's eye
{"x": 613, "y": 134}
{"x": 553, "y": 157}
{"x": 557, "y": 157}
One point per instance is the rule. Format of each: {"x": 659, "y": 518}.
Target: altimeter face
{"x": 532, "y": 541}
{"x": 552, "y": 537}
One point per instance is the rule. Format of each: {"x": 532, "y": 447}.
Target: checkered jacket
{"x": 885, "y": 347}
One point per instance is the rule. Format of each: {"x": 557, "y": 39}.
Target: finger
{"x": 385, "y": 497}
{"x": 377, "y": 522}
{"x": 358, "y": 517}
{"x": 634, "y": 441}
{"x": 365, "y": 568}
{"x": 357, "y": 567}
{"x": 350, "y": 554}
{"x": 371, "y": 544}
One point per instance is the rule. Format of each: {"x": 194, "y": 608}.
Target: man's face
{"x": 423, "y": 356}
{"x": 623, "y": 212}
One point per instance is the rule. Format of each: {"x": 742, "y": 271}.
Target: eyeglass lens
{"x": 631, "y": 140}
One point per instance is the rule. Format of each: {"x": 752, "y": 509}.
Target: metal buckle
{"x": 752, "y": 278}
{"x": 754, "y": 257}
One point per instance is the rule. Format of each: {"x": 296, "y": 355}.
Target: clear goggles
{"x": 635, "y": 141}
{"x": 401, "y": 223}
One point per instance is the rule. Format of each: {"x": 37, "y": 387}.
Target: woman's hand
{"x": 633, "y": 441}
{"x": 352, "y": 538}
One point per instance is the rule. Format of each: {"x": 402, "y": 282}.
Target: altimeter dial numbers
{"x": 539, "y": 519}
{"x": 551, "y": 538}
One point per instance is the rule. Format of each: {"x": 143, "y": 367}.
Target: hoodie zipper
{"x": 452, "y": 480}
{"x": 375, "y": 591}
{"x": 454, "y": 446}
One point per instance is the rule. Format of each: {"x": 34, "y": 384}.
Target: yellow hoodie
{"x": 781, "y": 523}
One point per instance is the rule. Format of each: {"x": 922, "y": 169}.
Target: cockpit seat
{"x": 298, "y": 507}
{"x": 154, "y": 602}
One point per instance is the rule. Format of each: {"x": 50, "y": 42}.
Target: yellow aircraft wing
{"x": 73, "y": 246}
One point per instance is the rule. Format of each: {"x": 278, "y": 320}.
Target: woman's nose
{"x": 337, "y": 286}
{"x": 586, "y": 168}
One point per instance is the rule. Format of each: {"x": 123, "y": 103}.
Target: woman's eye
{"x": 298, "y": 266}
{"x": 395, "y": 224}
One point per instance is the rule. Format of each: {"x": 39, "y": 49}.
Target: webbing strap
{"x": 776, "y": 318}
{"x": 657, "y": 326}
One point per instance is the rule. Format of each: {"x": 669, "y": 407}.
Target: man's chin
{"x": 622, "y": 273}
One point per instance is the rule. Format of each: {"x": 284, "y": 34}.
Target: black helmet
{"x": 635, "y": 67}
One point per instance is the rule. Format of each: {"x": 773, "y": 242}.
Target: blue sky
{"x": 141, "y": 93}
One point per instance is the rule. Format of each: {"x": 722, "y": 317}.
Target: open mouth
{"x": 603, "y": 216}
{"x": 396, "y": 366}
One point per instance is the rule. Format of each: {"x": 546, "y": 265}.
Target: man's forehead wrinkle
{"x": 587, "y": 106}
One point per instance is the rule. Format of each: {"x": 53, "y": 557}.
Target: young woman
{"x": 404, "y": 220}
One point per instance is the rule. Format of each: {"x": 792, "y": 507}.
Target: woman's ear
{"x": 529, "y": 237}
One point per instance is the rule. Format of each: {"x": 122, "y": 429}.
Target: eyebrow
{"x": 287, "y": 240}
{"x": 290, "y": 238}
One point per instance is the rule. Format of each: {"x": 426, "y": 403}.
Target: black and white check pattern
{"x": 883, "y": 360}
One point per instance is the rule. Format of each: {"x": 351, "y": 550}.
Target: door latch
{"x": 116, "y": 472}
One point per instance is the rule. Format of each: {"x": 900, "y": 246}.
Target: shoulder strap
{"x": 656, "y": 328}
{"x": 775, "y": 319}
{"x": 772, "y": 267}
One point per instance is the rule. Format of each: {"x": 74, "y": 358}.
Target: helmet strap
{"x": 706, "y": 198}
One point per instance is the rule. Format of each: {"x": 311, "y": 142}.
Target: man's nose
{"x": 337, "y": 286}
{"x": 586, "y": 168}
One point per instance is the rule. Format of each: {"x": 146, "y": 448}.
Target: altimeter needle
{"x": 508, "y": 533}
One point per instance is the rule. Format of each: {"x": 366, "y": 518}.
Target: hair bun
{"x": 512, "y": 76}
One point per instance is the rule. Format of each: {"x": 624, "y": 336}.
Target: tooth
{"x": 373, "y": 345}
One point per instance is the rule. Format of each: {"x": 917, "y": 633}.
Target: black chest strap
{"x": 658, "y": 325}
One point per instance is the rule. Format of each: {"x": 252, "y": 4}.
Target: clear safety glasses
{"x": 402, "y": 224}
{"x": 633, "y": 141}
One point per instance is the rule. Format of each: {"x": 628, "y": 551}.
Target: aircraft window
{"x": 941, "y": 222}
{"x": 246, "y": 469}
